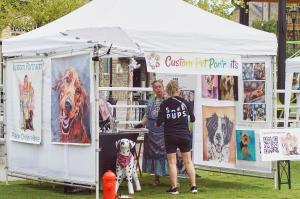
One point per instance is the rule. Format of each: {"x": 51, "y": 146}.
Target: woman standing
{"x": 174, "y": 114}
{"x": 154, "y": 156}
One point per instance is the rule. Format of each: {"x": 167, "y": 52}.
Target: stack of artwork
{"x": 254, "y": 106}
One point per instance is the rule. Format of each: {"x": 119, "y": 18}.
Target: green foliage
{"x": 222, "y": 8}
{"x": 268, "y": 26}
{"x": 34, "y": 13}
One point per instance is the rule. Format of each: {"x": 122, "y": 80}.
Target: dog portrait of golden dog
{"x": 290, "y": 144}
{"x": 73, "y": 104}
{"x": 226, "y": 86}
{"x": 26, "y": 104}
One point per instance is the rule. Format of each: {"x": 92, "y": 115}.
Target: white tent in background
{"x": 144, "y": 25}
{"x": 292, "y": 85}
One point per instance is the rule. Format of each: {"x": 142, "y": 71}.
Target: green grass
{"x": 212, "y": 185}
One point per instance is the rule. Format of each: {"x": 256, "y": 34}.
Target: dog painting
{"x": 259, "y": 71}
{"x": 245, "y": 148}
{"x": 126, "y": 165}
{"x": 218, "y": 134}
{"x": 210, "y": 86}
{"x": 248, "y": 112}
{"x": 254, "y": 91}
{"x": 248, "y": 71}
{"x": 228, "y": 87}
{"x": 259, "y": 112}
{"x": 289, "y": 144}
{"x": 70, "y": 100}
{"x": 26, "y": 104}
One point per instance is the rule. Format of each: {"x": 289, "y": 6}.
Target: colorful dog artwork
{"x": 26, "y": 104}
{"x": 70, "y": 103}
{"x": 245, "y": 148}
{"x": 210, "y": 86}
{"x": 218, "y": 134}
{"x": 259, "y": 71}
{"x": 254, "y": 91}
{"x": 248, "y": 71}
{"x": 228, "y": 87}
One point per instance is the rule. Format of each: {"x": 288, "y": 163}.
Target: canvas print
{"x": 248, "y": 112}
{"x": 26, "y": 87}
{"x": 259, "y": 71}
{"x": 210, "y": 86}
{"x": 189, "y": 96}
{"x": 296, "y": 81}
{"x": 228, "y": 87}
{"x": 245, "y": 147}
{"x": 219, "y": 134}
{"x": 290, "y": 144}
{"x": 248, "y": 72}
{"x": 259, "y": 112}
{"x": 254, "y": 91}
{"x": 70, "y": 100}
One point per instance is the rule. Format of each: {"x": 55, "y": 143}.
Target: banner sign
{"x": 193, "y": 63}
{"x": 26, "y": 87}
{"x": 280, "y": 144}
{"x": 70, "y": 100}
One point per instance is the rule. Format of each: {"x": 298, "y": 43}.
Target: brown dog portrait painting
{"x": 70, "y": 116}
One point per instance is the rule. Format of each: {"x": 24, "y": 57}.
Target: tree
{"x": 268, "y": 26}
{"x": 30, "y": 14}
{"x": 222, "y": 8}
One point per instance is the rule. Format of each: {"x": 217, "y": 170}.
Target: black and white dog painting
{"x": 220, "y": 130}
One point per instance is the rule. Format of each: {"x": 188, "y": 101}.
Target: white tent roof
{"x": 293, "y": 64}
{"x": 146, "y": 25}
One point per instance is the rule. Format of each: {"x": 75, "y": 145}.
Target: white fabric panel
{"x": 61, "y": 162}
{"x": 155, "y": 25}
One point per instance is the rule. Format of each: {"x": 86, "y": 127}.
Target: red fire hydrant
{"x": 109, "y": 185}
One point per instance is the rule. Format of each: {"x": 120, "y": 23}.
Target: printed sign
{"x": 26, "y": 86}
{"x": 280, "y": 144}
{"x": 193, "y": 63}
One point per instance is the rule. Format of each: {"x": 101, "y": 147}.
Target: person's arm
{"x": 191, "y": 111}
{"x": 144, "y": 119}
{"x": 161, "y": 114}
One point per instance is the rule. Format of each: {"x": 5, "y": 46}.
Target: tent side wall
{"x": 47, "y": 160}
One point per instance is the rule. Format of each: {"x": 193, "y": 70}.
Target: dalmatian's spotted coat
{"x": 125, "y": 165}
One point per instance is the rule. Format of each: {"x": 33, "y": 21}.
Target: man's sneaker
{"x": 194, "y": 189}
{"x": 173, "y": 190}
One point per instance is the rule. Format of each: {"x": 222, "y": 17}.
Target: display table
{"x": 108, "y": 150}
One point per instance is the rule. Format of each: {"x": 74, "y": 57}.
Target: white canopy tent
{"x": 144, "y": 25}
{"x": 134, "y": 27}
{"x": 292, "y": 67}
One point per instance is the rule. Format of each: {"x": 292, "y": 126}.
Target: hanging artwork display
{"x": 254, "y": 84}
{"x": 26, "y": 84}
{"x": 210, "y": 86}
{"x": 70, "y": 100}
{"x": 219, "y": 134}
{"x": 280, "y": 144}
{"x": 245, "y": 145}
{"x": 228, "y": 87}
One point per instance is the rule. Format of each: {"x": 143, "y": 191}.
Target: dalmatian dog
{"x": 125, "y": 165}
